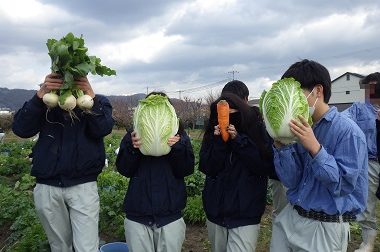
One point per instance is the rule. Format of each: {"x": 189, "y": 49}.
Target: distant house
{"x": 346, "y": 90}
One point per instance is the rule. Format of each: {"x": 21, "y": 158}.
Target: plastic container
{"x": 114, "y": 247}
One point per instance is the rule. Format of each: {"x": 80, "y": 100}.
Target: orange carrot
{"x": 223, "y": 110}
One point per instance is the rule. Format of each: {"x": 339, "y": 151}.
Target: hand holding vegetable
{"x": 83, "y": 84}
{"x": 52, "y": 81}
{"x": 136, "y": 142}
{"x": 232, "y": 131}
{"x": 216, "y": 130}
{"x": 305, "y": 135}
{"x": 173, "y": 140}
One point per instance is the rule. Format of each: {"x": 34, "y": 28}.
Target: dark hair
{"x": 371, "y": 78}
{"x": 251, "y": 122}
{"x": 181, "y": 128}
{"x": 310, "y": 73}
{"x": 238, "y": 88}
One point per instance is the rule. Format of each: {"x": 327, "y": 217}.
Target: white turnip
{"x": 85, "y": 102}
{"x": 50, "y": 99}
{"x": 69, "y": 103}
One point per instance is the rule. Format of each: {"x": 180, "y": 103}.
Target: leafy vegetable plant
{"x": 155, "y": 120}
{"x": 69, "y": 59}
{"x": 283, "y": 102}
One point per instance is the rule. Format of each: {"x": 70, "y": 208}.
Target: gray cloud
{"x": 257, "y": 38}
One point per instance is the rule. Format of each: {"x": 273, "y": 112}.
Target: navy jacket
{"x": 68, "y": 152}
{"x": 236, "y": 181}
{"x": 156, "y": 192}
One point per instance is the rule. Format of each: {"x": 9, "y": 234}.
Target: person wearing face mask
{"x": 326, "y": 171}
{"x": 366, "y": 116}
{"x": 234, "y": 195}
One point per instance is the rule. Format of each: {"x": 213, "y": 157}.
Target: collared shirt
{"x": 365, "y": 114}
{"x": 335, "y": 181}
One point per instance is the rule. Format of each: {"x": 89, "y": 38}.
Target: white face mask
{"x": 312, "y": 109}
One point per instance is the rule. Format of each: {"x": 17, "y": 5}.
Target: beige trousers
{"x": 240, "y": 239}
{"x": 168, "y": 238}
{"x": 292, "y": 232}
{"x": 69, "y": 216}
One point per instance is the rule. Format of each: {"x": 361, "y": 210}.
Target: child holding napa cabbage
{"x": 156, "y": 156}
{"x": 322, "y": 162}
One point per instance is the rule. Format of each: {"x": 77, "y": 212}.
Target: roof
{"x": 346, "y": 73}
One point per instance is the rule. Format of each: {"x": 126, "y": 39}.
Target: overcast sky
{"x": 190, "y": 46}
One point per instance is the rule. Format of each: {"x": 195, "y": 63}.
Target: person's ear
{"x": 319, "y": 90}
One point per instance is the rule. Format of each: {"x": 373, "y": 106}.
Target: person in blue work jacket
{"x": 325, "y": 172}
{"x": 234, "y": 194}
{"x": 67, "y": 159}
{"x": 365, "y": 115}
{"x": 156, "y": 192}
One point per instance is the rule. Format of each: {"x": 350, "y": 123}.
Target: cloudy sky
{"x": 190, "y": 48}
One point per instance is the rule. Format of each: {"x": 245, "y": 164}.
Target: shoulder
{"x": 347, "y": 127}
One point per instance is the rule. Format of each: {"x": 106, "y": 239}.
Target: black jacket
{"x": 68, "y": 151}
{"x": 156, "y": 192}
{"x": 236, "y": 181}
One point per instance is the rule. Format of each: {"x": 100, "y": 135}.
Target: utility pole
{"x": 147, "y": 90}
{"x": 179, "y": 94}
{"x": 233, "y": 74}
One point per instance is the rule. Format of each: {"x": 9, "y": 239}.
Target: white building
{"x": 5, "y": 111}
{"x": 346, "y": 89}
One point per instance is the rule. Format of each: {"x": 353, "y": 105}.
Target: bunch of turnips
{"x": 69, "y": 59}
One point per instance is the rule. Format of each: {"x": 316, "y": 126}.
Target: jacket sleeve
{"x": 181, "y": 157}
{"x": 128, "y": 158}
{"x": 247, "y": 152}
{"x": 100, "y": 121}
{"x": 212, "y": 155}
{"x": 29, "y": 119}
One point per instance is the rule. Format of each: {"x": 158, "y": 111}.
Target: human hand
{"x": 232, "y": 131}
{"x": 52, "y": 81}
{"x": 174, "y": 139}
{"x": 136, "y": 141}
{"x": 305, "y": 135}
{"x": 216, "y": 130}
{"x": 84, "y": 85}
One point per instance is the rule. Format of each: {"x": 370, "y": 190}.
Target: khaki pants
{"x": 292, "y": 232}
{"x": 367, "y": 219}
{"x": 240, "y": 239}
{"x": 168, "y": 238}
{"x": 69, "y": 216}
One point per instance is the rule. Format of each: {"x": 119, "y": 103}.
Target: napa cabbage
{"x": 284, "y": 101}
{"x": 155, "y": 120}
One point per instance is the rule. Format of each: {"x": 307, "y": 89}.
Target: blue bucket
{"x": 114, "y": 247}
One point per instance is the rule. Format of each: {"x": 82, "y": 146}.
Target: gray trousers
{"x": 168, "y": 238}
{"x": 69, "y": 216}
{"x": 294, "y": 233}
{"x": 367, "y": 219}
{"x": 240, "y": 239}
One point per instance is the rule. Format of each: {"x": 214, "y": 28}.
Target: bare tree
{"x": 122, "y": 112}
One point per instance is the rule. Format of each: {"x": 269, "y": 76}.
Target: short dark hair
{"x": 310, "y": 73}
{"x": 370, "y": 78}
{"x": 238, "y": 88}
